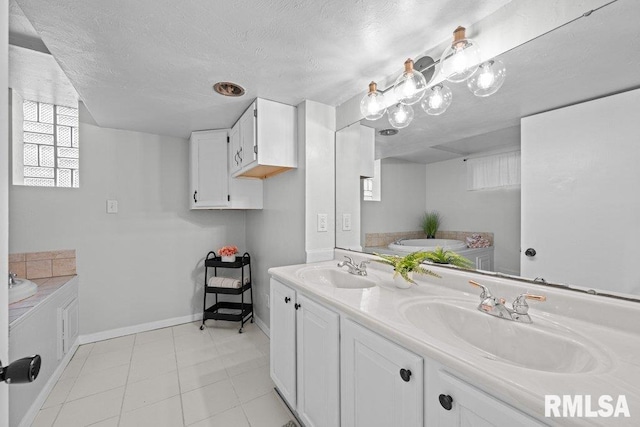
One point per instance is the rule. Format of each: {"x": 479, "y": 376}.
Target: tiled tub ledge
{"x": 46, "y": 287}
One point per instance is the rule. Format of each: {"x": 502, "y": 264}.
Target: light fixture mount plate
{"x": 426, "y": 65}
{"x": 388, "y": 132}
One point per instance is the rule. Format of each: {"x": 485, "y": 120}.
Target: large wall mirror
{"x": 566, "y": 120}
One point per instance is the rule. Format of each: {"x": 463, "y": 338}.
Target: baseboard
{"x": 143, "y": 327}
{"x": 317, "y": 255}
{"x": 31, "y": 414}
{"x": 263, "y": 326}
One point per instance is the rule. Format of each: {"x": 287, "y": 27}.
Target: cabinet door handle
{"x": 297, "y": 306}
{"x": 236, "y": 157}
{"x": 446, "y": 401}
{"x": 405, "y": 374}
{"x": 195, "y": 194}
{"x": 240, "y": 154}
{"x": 286, "y": 300}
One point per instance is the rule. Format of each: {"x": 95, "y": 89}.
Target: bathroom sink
{"x": 22, "y": 289}
{"x": 543, "y": 347}
{"x": 334, "y": 277}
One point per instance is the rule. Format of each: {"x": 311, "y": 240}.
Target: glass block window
{"x": 51, "y": 145}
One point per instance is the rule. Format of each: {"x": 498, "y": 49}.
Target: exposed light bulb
{"x": 400, "y": 115}
{"x": 460, "y": 60}
{"x": 437, "y": 101}
{"x": 410, "y": 86}
{"x": 488, "y": 79}
{"x": 372, "y": 105}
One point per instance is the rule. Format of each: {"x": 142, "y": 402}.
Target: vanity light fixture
{"x": 400, "y": 115}
{"x": 488, "y": 78}
{"x": 228, "y": 89}
{"x": 410, "y": 86}
{"x": 438, "y": 99}
{"x": 460, "y": 60}
{"x": 373, "y": 105}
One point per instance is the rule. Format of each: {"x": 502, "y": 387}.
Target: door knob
{"x": 446, "y": 401}
{"x": 405, "y": 374}
{"x": 23, "y": 370}
{"x": 297, "y": 306}
{"x": 530, "y": 252}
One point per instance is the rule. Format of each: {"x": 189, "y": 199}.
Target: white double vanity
{"x": 350, "y": 350}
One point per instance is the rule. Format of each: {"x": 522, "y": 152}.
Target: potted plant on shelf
{"x": 405, "y": 266}
{"x": 228, "y": 253}
{"x": 442, "y": 256}
{"x": 431, "y": 223}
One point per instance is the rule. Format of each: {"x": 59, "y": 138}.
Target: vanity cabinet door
{"x": 472, "y": 407}
{"x": 318, "y": 364}
{"x": 382, "y": 383}
{"x": 283, "y": 340}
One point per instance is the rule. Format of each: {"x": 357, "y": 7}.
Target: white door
{"x": 209, "y": 177}
{"x": 382, "y": 383}
{"x": 470, "y": 407}
{"x": 577, "y": 163}
{"x": 283, "y": 340}
{"x": 248, "y": 136}
{"x": 318, "y": 343}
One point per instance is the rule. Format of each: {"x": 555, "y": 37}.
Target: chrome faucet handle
{"x": 520, "y": 305}
{"x": 347, "y": 261}
{"x": 363, "y": 264}
{"x": 486, "y": 293}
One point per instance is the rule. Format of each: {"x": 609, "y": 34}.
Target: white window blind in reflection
{"x": 493, "y": 171}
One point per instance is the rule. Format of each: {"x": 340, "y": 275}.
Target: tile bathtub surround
{"x": 42, "y": 265}
{"x": 384, "y": 239}
{"x": 462, "y": 235}
{"x": 178, "y": 376}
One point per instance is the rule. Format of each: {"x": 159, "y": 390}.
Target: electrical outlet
{"x": 346, "y": 222}
{"x": 322, "y": 222}
{"x": 112, "y": 206}
{"x": 268, "y": 302}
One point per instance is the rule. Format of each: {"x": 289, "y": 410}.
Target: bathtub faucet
{"x": 360, "y": 270}
{"x": 12, "y": 279}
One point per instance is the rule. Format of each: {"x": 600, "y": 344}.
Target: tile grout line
{"x": 175, "y": 353}
{"x": 126, "y": 381}
{"x": 74, "y": 383}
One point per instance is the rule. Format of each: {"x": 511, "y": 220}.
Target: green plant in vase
{"x": 431, "y": 223}
{"x": 442, "y": 256}
{"x": 406, "y": 265}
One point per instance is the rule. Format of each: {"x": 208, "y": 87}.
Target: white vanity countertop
{"x": 46, "y": 288}
{"x": 610, "y": 328}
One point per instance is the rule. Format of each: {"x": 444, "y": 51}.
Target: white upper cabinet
{"x": 367, "y": 152}
{"x": 209, "y": 177}
{"x": 268, "y": 139}
{"x": 235, "y": 162}
{"x": 211, "y": 186}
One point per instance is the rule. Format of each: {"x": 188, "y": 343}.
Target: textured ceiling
{"x": 149, "y": 65}
{"x": 589, "y": 58}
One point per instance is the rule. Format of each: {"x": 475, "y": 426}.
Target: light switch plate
{"x": 346, "y": 222}
{"x": 322, "y": 223}
{"x": 112, "y": 206}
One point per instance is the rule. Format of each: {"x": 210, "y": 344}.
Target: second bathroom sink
{"x": 539, "y": 347}
{"x": 22, "y": 289}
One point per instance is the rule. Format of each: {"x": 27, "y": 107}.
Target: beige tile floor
{"x": 177, "y": 376}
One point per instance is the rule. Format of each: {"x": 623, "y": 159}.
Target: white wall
{"x": 318, "y": 134}
{"x": 580, "y": 201}
{"x": 347, "y": 177}
{"x": 276, "y": 234}
{"x": 403, "y": 199}
{"x": 496, "y": 211}
{"x": 143, "y": 264}
{"x": 4, "y": 194}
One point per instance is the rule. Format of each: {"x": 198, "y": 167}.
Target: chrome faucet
{"x": 496, "y": 306}
{"x": 360, "y": 270}
{"x": 12, "y": 279}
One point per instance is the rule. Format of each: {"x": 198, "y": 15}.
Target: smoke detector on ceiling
{"x": 228, "y": 89}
